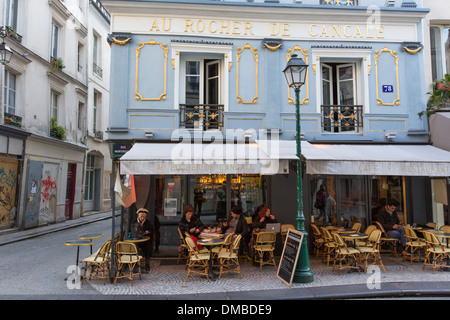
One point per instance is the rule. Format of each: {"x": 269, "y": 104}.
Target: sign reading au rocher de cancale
{"x": 349, "y": 31}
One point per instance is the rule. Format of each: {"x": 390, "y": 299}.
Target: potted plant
{"x": 12, "y": 119}
{"x": 57, "y": 64}
{"x": 439, "y": 97}
{"x": 60, "y": 132}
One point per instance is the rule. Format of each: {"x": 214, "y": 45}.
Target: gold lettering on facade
{"x": 188, "y": 23}
{"x": 275, "y": 29}
{"x": 224, "y": 25}
{"x": 209, "y": 26}
{"x": 336, "y": 30}
{"x": 310, "y": 30}
{"x": 248, "y": 27}
{"x": 380, "y": 30}
{"x": 236, "y": 27}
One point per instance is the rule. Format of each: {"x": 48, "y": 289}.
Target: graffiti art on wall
{"x": 47, "y": 207}
{"x": 8, "y": 189}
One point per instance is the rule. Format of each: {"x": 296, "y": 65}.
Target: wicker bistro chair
{"x": 414, "y": 245}
{"x": 284, "y": 229}
{"x": 318, "y": 239}
{"x": 329, "y": 245}
{"x": 127, "y": 255}
{"x": 183, "y": 252}
{"x": 197, "y": 262}
{"x": 431, "y": 225}
{"x": 368, "y": 231}
{"x": 265, "y": 246}
{"x": 229, "y": 257}
{"x": 370, "y": 252}
{"x": 446, "y": 229}
{"x": 386, "y": 241}
{"x": 98, "y": 263}
{"x": 356, "y": 226}
{"x": 343, "y": 253}
{"x": 224, "y": 247}
{"x": 436, "y": 251}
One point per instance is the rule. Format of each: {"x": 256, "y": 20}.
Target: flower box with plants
{"x": 57, "y": 131}
{"x": 12, "y": 119}
{"x": 439, "y": 97}
{"x": 57, "y": 64}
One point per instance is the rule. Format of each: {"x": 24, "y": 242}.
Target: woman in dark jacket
{"x": 190, "y": 223}
{"x": 264, "y": 217}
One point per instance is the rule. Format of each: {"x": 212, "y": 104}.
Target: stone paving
{"x": 166, "y": 279}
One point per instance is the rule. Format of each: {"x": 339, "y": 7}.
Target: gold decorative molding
{"x": 230, "y": 64}
{"x": 138, "y": 52}
{"x": 395, "y": 56}
{"x": 410, "y": 51}
{"x": 121, "y": 42}
{"x": 314, "y": 68}
{"x": 304, "y": 52}
{"x": 273, "y": 48}
{"x": 173, "y": 63}
{"x": 238, "y": 57}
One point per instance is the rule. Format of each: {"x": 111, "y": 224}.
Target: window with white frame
{"x": 54, "y": 97}
{"x": 54, "y": 41}
{"x": 9, "y": 93}
{"x": 95, "y": 110}
{"x": 11, "y": 14}
{"x": 96, "y": 54}
{"x": 343, "y": 82}
{"x": 440, "y": 51}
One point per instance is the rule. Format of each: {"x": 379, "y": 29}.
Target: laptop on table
{"x": 275, "y": 227}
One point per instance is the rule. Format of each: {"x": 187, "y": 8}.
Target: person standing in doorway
{"x": 321, "y": 197}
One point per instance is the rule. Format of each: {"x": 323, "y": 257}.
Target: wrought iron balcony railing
{"x": 201, "y": 117}
{"x": 338, "y": 118}
{"x": 97, "y": 70}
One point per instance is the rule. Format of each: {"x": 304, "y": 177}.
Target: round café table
{"x": 353, "y": 236}
{"x": 78, "y": 243}
{"x": 90, "y": 236}
{"x": 211, "y": 243}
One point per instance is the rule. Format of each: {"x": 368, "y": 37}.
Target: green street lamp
{"x": 295, "y": 73}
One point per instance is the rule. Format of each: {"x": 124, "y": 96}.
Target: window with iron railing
{"x": 97, "y": 70}
{"x": 339, "y": 2}
{"x": 341, "y": 118}
{"x": 201, "y": 117}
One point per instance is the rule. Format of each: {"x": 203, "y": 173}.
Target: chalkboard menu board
{"x": 289, "y": 257}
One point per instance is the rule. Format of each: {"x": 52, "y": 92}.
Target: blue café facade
{"x": 211, "y": 71}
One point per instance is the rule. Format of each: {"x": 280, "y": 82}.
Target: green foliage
{"x": 439, "y": 97}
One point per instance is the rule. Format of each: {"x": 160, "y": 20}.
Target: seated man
{"x": 140, "y": 229}
{"x": 390, "y": 222}
{"x": 236, "y": 224}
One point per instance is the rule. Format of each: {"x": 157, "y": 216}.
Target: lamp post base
{"x": 303, "y": 272}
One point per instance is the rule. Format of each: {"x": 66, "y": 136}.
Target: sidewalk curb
{"x": 39, "y": 231}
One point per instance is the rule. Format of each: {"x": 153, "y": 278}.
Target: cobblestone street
{"x": 38, "y": 267}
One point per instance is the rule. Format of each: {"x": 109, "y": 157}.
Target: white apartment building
{"x": 45, "y": 135}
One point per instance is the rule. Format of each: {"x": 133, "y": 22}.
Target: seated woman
{"x": 190, "y": 223}
{"x": 264, "y": 217}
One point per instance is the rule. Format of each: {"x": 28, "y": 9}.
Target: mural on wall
{"x": 47, "y": 207}
{"x": 8, "y": 189}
